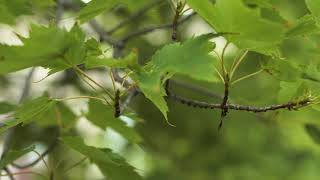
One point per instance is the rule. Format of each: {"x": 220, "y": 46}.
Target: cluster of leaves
{"x": 256, "y": 27}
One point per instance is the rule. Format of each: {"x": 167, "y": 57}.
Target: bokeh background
{"x": 273, "y": 145}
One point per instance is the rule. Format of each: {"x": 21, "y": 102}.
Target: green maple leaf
{"x": 254, "y": 33}
{"x": 190, "y": 58}
{"x": 34, "y": 52}
{"x": 111, "y": 164}
{"x": 28, "y": 111}
{"x": 65, "y": 50}
{"x": 304, "y": 26}
{"x": 130, "y": 61}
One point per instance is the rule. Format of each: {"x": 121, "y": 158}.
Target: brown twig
{"x": 117, "y": 108}
{"x": 224, "y": 111}
{"x": 205, "y": 105}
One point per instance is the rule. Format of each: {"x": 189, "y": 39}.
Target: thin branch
{"x": 246, "y": 76}
{"x": 204, "y": 105}
{"x": 104, "y": 35}
{"x": 59, "y": 11}
{"x": 24, "y": 94}
{"x": 129, "y": 98}
{"x": 175, "y": 22}
{"x": 135, "y": 15}
{"x": 146, "y": 30}
{"x": 116, "y": 105}
{"x": 235, "y": 66}
{"x": 219, "y": 74}
{"x": 224, "y": 71}
{"x": 225, "y": 100}
{"x": 174, "y": 35}
{"x": 9, "y": 173}
{"x": 93, "y": 81}
{"x": 26, "y": 87}
{"x": 91, "y": 86}
{"x": 40, "y": 158}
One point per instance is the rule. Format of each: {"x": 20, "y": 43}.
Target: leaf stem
{"x": 219, "y": 74}
{"x": 92, "y": 80}
{"x": 75, "y": 165}
{"x": 235, "y": 66}
{"x": 223, "y": 68}
{"x": 246, "y": 76}
{"x": 42, "y": 159}
{"x": 79, "y": 97}
{"x": 88, "y": 83}
{"x": 112, "y": 80}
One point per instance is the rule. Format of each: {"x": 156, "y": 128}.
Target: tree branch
{"x": 104, "y": 35}
{"x": 26, "y": 86}
{"x": 25, "y": 92}
{"x": 153, "y": 28}
{"x": 204, "y": 105}
{"x": 9, "y": 173}
{"x": 50, "y": 149}
{"x": 135, "y": 15}
{"x": 225, "y": 106}
{"x": 224, "y": 111}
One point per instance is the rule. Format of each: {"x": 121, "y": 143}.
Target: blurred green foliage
{"x": 283, "y": 39}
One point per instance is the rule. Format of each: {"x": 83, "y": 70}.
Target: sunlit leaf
{"x": 34, "y": 52}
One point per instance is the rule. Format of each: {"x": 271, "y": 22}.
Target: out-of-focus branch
{"x": 59, "y": 11}
{"x": 23, "y": 96}
{"x": 41, "y": 156}
{"x": 104, "y": 35}
{"x": 9, "y": 173}
{"x": 7, "y": 141}
{"x": 26, "y": 86}
{"x": 147, "y": 30}
{"x": 135, "y": 15}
